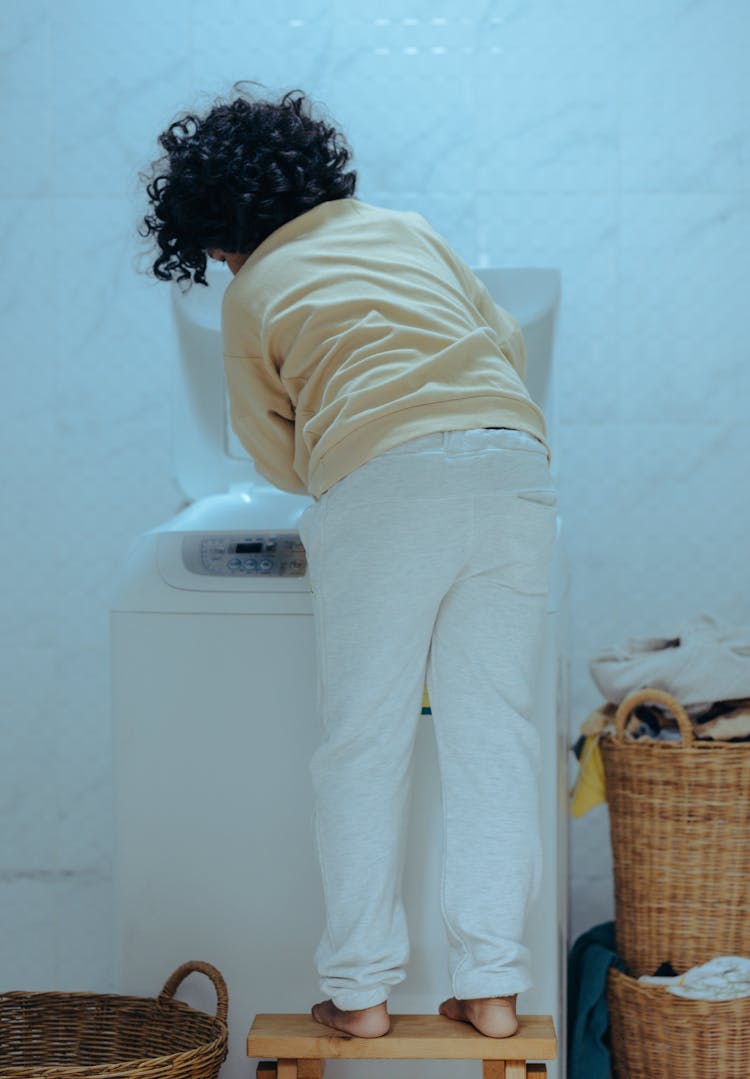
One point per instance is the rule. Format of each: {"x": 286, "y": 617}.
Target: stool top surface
{"x": 411, "y": 1037}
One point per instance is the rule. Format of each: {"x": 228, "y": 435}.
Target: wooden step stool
{"x": 300, "y": 1046}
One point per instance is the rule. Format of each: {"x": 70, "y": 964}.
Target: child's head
{"x": 230, "y": 178}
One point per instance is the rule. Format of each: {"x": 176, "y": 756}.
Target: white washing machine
{"x": 213, "y": 690}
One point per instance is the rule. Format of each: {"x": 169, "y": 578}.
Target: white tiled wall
{"x": 609, "y": 139}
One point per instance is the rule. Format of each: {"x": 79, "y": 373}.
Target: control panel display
{"x": 278, "y": 554}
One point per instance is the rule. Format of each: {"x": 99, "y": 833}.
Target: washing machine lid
{"x": 207, "y": 455}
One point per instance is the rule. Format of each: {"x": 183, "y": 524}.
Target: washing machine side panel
{"x": 214, "y": 727}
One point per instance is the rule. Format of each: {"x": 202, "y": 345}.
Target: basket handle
{"x": 638, "y": 696}
{"x": 173, "y": 981}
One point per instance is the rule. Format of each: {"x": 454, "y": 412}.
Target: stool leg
{"x": 306, "y": 1069}
{"x": 503, "y": 1069}
{"x": 287, "y": 1069}
{"x": 311, "y": 1069}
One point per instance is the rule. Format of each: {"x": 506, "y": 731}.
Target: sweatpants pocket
{"x": 543, "y": 496}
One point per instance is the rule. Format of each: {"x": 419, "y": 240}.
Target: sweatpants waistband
{"x": 469, "y": 441}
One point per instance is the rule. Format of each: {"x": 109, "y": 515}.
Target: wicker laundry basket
{"x": 95, "y": 1036}
{"x": 679, "y": 815}
{"x": 654, "y": 1033}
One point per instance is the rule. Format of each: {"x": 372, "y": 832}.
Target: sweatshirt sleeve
{"x": 262, "y": 417}
{"x": 260, "y": 411}
{"x": 505, "y": 326}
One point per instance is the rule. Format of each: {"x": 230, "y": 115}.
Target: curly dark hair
{"x": 230, "y": 178}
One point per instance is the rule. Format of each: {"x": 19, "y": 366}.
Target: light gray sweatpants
{"x": 433, "y": 559}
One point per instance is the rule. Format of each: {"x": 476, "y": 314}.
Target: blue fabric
{"x": 588, "y": 1018}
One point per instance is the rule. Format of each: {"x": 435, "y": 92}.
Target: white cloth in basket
{"x": 706, "y": 660}
{"x": 725, "y": 978}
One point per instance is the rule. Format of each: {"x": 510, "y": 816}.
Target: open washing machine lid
{"x": 209, "y": 458}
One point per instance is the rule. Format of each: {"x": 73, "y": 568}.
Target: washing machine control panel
{"x": 233, "y": 554}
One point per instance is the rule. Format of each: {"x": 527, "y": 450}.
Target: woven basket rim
{"x": 117, "y": 999}
{"x": 618, "y": 715}
{"x": 700, "y": 745}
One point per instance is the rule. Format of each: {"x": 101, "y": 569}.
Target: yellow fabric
{"x": 590, "y": 788}
{"x": 354, "y": 328}
{"x": 425, "y": 699}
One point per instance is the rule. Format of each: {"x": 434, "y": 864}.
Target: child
{"x": 368, "y": 367}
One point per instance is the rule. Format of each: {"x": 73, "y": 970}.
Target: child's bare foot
{"x": 493, "y": 1016}
{"x": 363, "y": 1023}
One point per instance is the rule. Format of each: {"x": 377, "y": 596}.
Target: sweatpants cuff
{"x": 467, "y": 988}
{"x": 351, "y": 1000}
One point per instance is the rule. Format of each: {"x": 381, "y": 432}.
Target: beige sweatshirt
{"x": 353, "y": 328}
